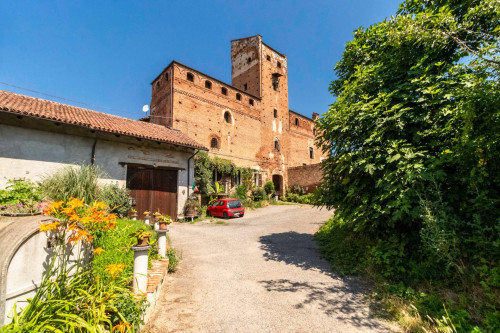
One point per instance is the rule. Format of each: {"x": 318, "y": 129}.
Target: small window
{"x": 190, "y": 77}
{"x": 245, "y": 87}
{"x": 249, "y": 60}
{"x": 227, "y": 117}
{"x": 276, "y": 145}
{"x": 311, "y": 153}
{"x": 158, "y": 84}
{"x": 296, "y": 121}
{"x": 214, "y": 143}
{"x": 268, "y": 58}
{"x": 279, "y": 64}
{"x": 223, "y": 90}
{"x": 166, "y": 76}
{"x": 208, "y": 84}
{"x": 238, "y": 97}
{"x": 275, "y": 81}
{"x": 314, "y": 131}
{"x": 250, "y": 101}
{"x": 275, "y": 113}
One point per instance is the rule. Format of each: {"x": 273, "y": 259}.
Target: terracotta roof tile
{"x": 44, "y": 109}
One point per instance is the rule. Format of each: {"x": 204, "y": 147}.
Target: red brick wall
{"x": 306, "y": 176}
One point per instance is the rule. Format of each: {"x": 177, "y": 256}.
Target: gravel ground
{"x": 259, "y": 273}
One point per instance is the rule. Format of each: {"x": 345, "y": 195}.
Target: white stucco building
{"x": 38, "y": 136}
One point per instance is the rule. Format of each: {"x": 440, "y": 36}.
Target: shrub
{"x": 258, "y": 194}
{"x": 19, "y": 191}
{"x": 117, "y": 198}
{"x": 269, "y": 188}
{"x": 173, "y": 259}
{"x": 71, "y": 182}
{"x": 240, "y": 193}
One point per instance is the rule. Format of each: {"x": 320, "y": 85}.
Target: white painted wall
{"x": 32, "y": 154}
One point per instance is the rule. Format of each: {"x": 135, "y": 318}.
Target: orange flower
{"x": 68, "y": 211}
{"x": 121, "y": 327}
{"x": 99, "y": 205}
{"x": 99, "y": 250}
{"x": 115, "y": 269}
{"x": 86, "y": 219}
{"x": 74, "y": 217}
{"x": 49, "y": 226}
{"x": 75, "y": 203}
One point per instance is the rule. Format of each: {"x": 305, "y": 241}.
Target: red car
{"x": 226, "y": 208}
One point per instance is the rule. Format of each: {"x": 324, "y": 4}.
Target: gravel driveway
{"x": 259, "y": 273}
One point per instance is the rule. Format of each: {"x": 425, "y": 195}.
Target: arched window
{"x": 166, "y": 76}
{"x": 208, "y": 84}
{"x": 311, "y": 153}
{"x": 277, "y": 144}
{"x": 250, "y": 101}
{"x": 314, "y": 131}
{"x": 223, "y": 90}
{"x": 227, "y": 117}
{"x": 238, "y": 97}
{"x": 296, "y": 121}
{"x": 275, "y": 113}
{"x": 158, "y": 84}
{"x": 214, "y": 143}
{"x": 245, "y": 87}
{"x": 190, "y": 77}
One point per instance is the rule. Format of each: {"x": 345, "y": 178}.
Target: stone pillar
{"x": 140, "y": 281}
{"x": 146, "y": 219}
{"x": 162, "y": 242}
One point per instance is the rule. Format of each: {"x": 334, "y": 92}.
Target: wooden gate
{"x": 154, "y": 190}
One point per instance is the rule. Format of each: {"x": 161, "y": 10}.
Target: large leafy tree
{"x": 414, "y": 136}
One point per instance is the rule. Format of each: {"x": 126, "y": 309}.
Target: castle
{"x": 248, "y": 121}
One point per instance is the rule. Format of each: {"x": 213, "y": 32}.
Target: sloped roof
{"x": 99, "y": 121}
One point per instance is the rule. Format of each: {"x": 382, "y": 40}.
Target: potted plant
{"x": 163, "y": 221}
{"x": 133, "y": 214}
{"x": 142, "y": 236}
{"x": 191, "y": 207}
{"x": 147, "y": 216}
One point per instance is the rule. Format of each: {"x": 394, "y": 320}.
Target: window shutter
{"x": 259, "y": 179}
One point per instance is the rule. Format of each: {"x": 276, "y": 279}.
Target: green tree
{"x": 414, "y": 142}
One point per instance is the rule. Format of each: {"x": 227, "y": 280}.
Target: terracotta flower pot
{"x": 142, "y": 241}
{"x": 163, "y": 225}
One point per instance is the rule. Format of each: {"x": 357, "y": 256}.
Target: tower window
{"x": 158, "y": 84}
{"x": 314, "y": 131}
{"x": 276, "y": 145}
{"x": 268, "y": 58}
{"x": 296, "y": 121}
{"x": 250, "y": 101}
{"x": 276, "y": 81}
{"x": 190, "y": 77}
{"x": 223, "y": 90}
{"x": 166, "y": 76}
{"x": 249, "y": 60}
{"x": 245, "y": 87}
{"x": 227, "y": 117}
{"x": 214, "y": 143}
{"x": 311, "y": 153}
{"x": 279, "y": 64}
{"x": 208, "y": 84}
{"x": 238, "y": 97}
{"x": 275, "y": 113}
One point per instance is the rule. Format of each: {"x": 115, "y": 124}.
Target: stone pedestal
{"x": 147, "y": 219}
{"x": 140, "y": 282}
{"x": 162, "y": 242}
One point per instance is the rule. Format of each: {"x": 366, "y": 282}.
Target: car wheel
{"x": 225, "y": 215}
{"x": 242, "y": 215}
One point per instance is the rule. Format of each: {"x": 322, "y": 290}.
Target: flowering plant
{"x": 163, "y": 219}
{"x": 147, "y": 213}
{"x": 141, "y": 233}
{"x": 133, "y": 211}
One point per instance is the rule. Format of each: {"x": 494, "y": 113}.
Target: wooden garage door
{"x": 154, "y": 190}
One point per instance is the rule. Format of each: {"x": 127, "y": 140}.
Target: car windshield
{"x": 234, "y": 204}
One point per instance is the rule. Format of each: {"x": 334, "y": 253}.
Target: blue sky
{"x": 106, "y": 53}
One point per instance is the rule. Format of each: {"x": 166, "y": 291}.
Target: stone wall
{"x": 306, "y": 176}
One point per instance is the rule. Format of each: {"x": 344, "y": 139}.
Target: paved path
{"x": 260, "y": 273}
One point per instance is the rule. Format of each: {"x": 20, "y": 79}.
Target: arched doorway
{"x": 278, "y": 184}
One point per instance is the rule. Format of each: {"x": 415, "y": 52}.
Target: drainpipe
{"x": 188, "y": 171}
{"x": 92, "y": 156}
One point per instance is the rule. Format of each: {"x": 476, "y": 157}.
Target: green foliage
{"x": 258, "y": 194}
{"x": 414, "y": 146}
{"x": 173, "y": 259}
{"x": 240, "y": 193}
{"x": 19, "y": 191}
{"x": 71, "y": 182}
{"x": 117, "y": 198}
{"x": 116, "y": 244}
{"x": 307, "y": 199}
{"x": 269, "y": 188}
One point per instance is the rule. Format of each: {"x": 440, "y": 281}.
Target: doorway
{"x": 278, "y": 184}
{"x": 153, "y": 189}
